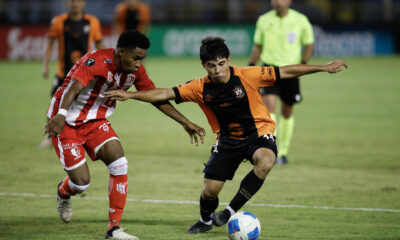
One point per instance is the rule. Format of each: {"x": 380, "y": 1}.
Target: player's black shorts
{"x": 287, "y": 89}
{"x": 226, "y": 158}
{"x": 57, "y": 82}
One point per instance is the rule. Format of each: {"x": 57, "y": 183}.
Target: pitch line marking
{"x": 34, "y": 195}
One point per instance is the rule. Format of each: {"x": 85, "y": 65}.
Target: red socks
{"x": 64, "y": 189}
{"x": 117, "y": 190}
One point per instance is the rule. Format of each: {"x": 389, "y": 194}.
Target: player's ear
{"x": 120, "y": 51}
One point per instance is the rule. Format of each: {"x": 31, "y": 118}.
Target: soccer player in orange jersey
{"x": 230, "y": 98}
{"x": 132, "y": 15}
{"x": 78, "y": 112}
{"x": 75, "y": 33}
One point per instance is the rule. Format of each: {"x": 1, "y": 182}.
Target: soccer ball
{"x": 243, "y": 226}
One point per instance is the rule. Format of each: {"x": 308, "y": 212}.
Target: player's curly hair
{"x": 213, "y": 48}
{"x": 133, "y": 39}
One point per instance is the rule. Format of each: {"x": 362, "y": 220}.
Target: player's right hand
{"x": 119, "y": 95}
{"x": 194, "y": 131}
{"x": 335, "y": 66}
{"x": 55, "y": 126}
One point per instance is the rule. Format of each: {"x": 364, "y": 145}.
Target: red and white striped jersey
{"x": 97, "y": 73}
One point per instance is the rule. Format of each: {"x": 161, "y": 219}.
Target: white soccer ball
{"x": 243, "y": 226}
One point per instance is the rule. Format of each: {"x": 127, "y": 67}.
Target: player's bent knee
{"x": 265, "y": 165}
{"x": 118, "y": 167}
{"x": 78, "y": 188}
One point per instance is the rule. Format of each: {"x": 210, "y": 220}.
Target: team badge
{"x": 239, "y": 92}
{"x": 291, "y": 37}
{"x": 90, "y": 62}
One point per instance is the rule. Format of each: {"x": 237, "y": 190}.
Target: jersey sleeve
{"x": 191, "y": 91}
{"x": 96, "y": 28}
{"x": 143, "y": 82}
{"x": 144, "y": 13}
{"x": 307, "y": 35}
{"x": 258, "y": 34}
{"x": 88, "y": 68}
{"x": 55, "y": 28}
{"x": 261, "y": 76}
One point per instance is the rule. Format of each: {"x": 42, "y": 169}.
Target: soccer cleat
{"x": 220, "y": 218}
{"x": 199, "y": 227}
{"x": 282, "y": 160}
{"x": 118, "y": 233}
{"x": 64, "y": 207}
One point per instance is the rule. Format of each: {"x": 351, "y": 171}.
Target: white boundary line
{"x": 196, "y": 202}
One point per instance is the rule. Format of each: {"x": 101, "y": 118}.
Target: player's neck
{"x": 117, "y": 62}
{"x": 282, "y": 13}
{"x": 76, "y": 16}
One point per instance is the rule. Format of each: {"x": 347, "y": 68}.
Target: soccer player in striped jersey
{"x": 229, "y": 96}
{"x": 75, "y": 32}
{"x": 78, "y": 112}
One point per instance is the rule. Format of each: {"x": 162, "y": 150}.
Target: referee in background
{"x": 282, "y": 36}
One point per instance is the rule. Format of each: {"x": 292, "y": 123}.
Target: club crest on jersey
{"x": 90, "y": 62}
{"x": 130, "y": 79}
{"x": 239, "y": 92}
{"x": 86, "y": 29}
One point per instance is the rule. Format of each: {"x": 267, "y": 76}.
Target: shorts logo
{"x": 105, "y": 127}
{"x": 90, "y": 62}
{"x": 110, "y": 210}
{"x": 239, "y": 92}
{"x": 269, "y": 137}
{"x": 122, "y": 188}
{"x": 76, "y": 152}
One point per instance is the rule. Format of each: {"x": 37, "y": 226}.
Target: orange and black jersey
{"x": 74, "y": 39}
{"x": 132, "y": 19}
{"x": 234, "y": 110}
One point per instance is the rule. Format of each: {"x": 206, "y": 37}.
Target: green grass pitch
{"x": 345, "y": 154}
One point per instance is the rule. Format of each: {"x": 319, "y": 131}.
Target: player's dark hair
{"x": 213, "y": 48}
{"x": 133, "y": 39}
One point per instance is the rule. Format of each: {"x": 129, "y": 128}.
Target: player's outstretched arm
{"x": 292, "y": 71}
{"x": 152, "y": 96}
{"x": 158, "y": 96}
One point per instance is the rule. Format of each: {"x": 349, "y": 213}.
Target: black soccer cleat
{"x": 199, "y": 227}
{"x": 220, "y": 218}
{"x": 282, "y": 160}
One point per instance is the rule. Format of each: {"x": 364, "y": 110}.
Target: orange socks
{"x": 64, "y": 189}
{"x": 117, "y": 190}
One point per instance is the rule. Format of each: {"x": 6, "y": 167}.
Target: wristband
{"x": 62, "y": 111}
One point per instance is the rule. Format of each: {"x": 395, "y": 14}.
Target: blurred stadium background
{"x": 343, "y": 181}
{"x": 342, "y": 27}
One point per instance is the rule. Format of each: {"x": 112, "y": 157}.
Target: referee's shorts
{"x": 287, "y": 89}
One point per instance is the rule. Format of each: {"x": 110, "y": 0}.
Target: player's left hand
{"x": 195, "y": 131}
{"x": 119, "y": 95}
{"x": 55, "y": 125}
{"x": 335, "y": 66}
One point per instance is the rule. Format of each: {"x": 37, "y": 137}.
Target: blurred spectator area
{"x": 322, "y": 12}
